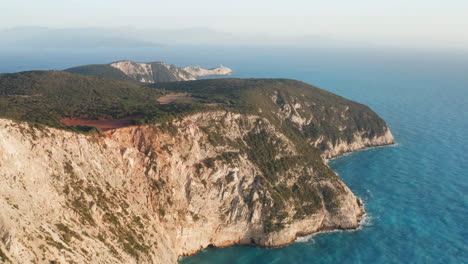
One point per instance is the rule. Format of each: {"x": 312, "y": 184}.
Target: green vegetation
{"x": 263, "y": 150}
{"x": 255, "y": 96}
{"x": 162, "y": 212}
{"x": 67, "y": 234}
{"x": 329, "y": 198}
{"x": 162, "y": 74}
{"x": 100, "y": 70}
{"x": 81, "y": 207}
{"x": 3, "y": 256}
{"x": 50, "y": 241}
{"x": 46, "y": 97}
{"x": 209, "y": 162}
{"x": 126, "y": 236}
{"x": 229, "y": 177}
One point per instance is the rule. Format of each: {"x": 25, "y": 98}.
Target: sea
{"x": 415, "y": 192}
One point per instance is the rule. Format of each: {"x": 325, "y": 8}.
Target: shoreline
{"x": 364, "y": 219}
{"x": 306, "y": 237}
{"x": 394, "y": 144}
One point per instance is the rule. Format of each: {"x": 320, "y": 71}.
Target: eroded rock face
{"x": 198, "y": 71}
{"x": 148, "y": 194}
{"x": 142, "y": 72}
{"x": 296, "y": 110}
{"x": 359, "y": 142}
{"x": 160, "y": 71}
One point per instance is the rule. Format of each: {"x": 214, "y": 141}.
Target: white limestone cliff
{"x": 147, "y": 194}
{"x": 145, "y": 72}
{"x": 198, "y": 71}
{"x": 141, "y": 72}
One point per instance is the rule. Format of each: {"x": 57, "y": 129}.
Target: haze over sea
{"x": 416, "y": 193}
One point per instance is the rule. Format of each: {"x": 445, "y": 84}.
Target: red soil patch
{"x": 102, "y": 124}
{"x": 176, "y": 98}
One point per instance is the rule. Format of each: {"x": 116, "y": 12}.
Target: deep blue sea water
{"x": 416, "y": 193}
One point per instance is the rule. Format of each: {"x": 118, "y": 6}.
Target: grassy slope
{"x": 100, "y": 70}
{"x": 48, "y": 96}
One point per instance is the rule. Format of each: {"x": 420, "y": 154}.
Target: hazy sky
{"x": 444, "y": 21}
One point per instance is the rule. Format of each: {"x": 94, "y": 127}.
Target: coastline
{"x": 394, "y": 144}
{"x": 362, "y": 222}
{"x": 301, "y": 238}
{"x": 324, "y": 221}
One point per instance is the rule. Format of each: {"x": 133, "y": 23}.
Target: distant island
{"x": 131, "y": 163}
{"x": 151, "y": 72}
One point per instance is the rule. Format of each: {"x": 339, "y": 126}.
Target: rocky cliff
{"x": 151, "y": 72}
{"x": 149, "y": 194}
{"x": 198, "y": 71}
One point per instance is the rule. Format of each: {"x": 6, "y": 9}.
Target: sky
{"x": 442, "y": 22}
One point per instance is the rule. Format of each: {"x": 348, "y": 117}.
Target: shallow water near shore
{"x": 415, "y": 193}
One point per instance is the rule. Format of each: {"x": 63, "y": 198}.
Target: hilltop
{"x": 152, "y": 72}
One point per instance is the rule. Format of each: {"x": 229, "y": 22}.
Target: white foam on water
{"x": 366, "y": 220}
{"x": 304, "y": 239}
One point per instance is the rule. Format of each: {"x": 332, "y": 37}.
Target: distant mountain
{"x": 127, "y": 37}
{"x": 42, "y": 37}
{"x": 130, "y": 37}
{"x": 152, "y": 72}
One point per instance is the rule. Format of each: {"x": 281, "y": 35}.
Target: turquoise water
{"x": 416, "y": 193}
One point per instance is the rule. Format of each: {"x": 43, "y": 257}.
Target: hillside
{"x": 297, "y": 108}
{"x": 46, "y": 97}
{"x": 204, "y": 163}
{"x": 152, "y": 72}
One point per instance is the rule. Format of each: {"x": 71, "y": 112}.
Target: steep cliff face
{"x": 152, "y": 72}
{"x": 141, "y": 72}
{"x": 345, "y": 131}
{"x": 148, "y": 194}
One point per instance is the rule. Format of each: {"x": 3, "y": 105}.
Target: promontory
{"x": 129, "y": 170}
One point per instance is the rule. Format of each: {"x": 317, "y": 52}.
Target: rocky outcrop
{"x": 149, "y": 194}
{"x": 198, "y": 71}
{"x": 343, "y": 136}
{"x": 141, "y": 72}
{"x": 160, "y": 71}
{"x": 359, "y": 142}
